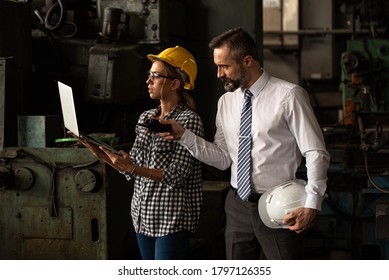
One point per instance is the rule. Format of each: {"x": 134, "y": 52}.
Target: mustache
{"x": 226, "y": 80}
{"x": 230, "y": 84}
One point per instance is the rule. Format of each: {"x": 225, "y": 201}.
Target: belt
{"x": 253, "y": 197}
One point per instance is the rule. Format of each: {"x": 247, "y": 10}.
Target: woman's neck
{"x": 168, "y": 105}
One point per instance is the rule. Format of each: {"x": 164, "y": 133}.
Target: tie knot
{"x": 247, "y": 93}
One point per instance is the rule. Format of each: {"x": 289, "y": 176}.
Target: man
{"x": 283, "y": 129}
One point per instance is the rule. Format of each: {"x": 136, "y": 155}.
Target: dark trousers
{"x": 170, "y": 247}
{"x": 246, "y": 235}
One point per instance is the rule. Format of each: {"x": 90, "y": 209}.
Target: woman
{"x": 167, "y": 198}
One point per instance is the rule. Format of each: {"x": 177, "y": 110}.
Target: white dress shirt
{"x": 284, "y": 128}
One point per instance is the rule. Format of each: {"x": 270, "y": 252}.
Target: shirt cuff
{"x": 187, "y": 139}
{"x": 315, "y": 194}
{"x": 313, "y": 201}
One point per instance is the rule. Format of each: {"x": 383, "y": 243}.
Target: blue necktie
{"x": 244, "y": 152}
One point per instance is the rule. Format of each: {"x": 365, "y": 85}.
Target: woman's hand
{"x": 120, "y": 161}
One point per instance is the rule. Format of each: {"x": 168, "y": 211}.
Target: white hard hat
{"x": 279, "y": 201}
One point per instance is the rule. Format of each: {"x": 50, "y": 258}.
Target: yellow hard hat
{"x": 180, "y": 58}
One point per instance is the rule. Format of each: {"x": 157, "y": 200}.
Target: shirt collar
{"x": 259, "y": 84}
{"x": 157, "y": 111}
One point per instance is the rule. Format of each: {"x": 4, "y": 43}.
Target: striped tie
{"x": 244, "y": 152}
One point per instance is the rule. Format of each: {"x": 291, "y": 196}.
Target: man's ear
{"x": 247, "y": 60}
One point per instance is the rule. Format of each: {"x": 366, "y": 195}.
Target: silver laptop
{"x": 70, "y": 118}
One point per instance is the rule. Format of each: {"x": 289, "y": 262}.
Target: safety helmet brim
{"x": 280, "y": 200}
{"x": 180, "y": 58}
{"x": 264, "y": 214}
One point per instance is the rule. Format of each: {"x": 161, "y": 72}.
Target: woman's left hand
{"x": 120, "y": 160}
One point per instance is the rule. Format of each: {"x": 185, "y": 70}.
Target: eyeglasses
{"x": 155, "y": 76}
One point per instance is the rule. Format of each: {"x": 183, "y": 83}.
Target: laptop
{"x": 70, "y": 119}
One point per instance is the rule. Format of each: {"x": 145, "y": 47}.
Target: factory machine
{"x": 62, "y": 203}
{"x": 343, "y": 60}
{"x": 355, "y": 218}
{"x": 56, "y": 200}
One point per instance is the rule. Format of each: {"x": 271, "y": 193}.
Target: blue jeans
{"x": 170, "y": 247}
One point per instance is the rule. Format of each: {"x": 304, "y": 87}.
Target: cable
{"x": 369, "y": 177}
{"x": 41, "y": 20}
{"x": 333, "y": 204}
{"x": 75, "y": 29}
{"x": 365, "y": 147}
{"x": 49, "y": 15}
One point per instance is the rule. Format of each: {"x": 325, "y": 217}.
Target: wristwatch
{"x": 126, "y": 173}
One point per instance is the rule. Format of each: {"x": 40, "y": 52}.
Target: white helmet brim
{"x": 280, "y": 200}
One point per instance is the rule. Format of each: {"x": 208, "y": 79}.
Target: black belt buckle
{"x": 254, "y": 197}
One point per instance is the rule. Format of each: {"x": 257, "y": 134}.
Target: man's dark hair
{"x": 239, "y": 41}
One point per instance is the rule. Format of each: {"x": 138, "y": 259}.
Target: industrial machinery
{"x": 358, "y": 186}
{"x": 62, "y": 203}
{"x": 57, "y": 201}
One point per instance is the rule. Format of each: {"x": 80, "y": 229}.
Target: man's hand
{"x": 300, "y": 219}
{"x": 176, "y": 132}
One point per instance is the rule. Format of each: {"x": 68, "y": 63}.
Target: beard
{"x": 231, "y": 84}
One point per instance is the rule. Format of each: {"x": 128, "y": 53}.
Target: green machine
{"x": 63, "y": 203}
{"x": 365, "y": 77}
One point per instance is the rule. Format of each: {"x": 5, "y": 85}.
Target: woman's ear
{"x": 175, "y": 84}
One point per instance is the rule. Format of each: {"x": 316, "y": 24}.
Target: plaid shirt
{"x": 162, "y": 208}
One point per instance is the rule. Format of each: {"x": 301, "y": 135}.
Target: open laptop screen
{"x": 68, "y": 108}
{"x": 70, "y": 118}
